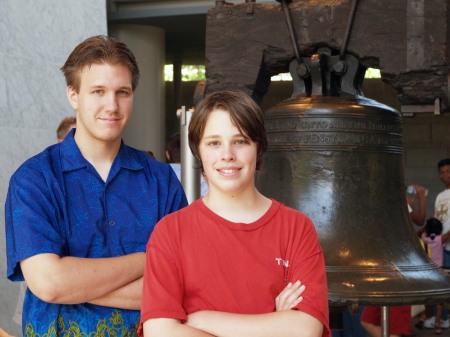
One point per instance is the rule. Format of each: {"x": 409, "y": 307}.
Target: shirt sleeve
{"x": 162, "y": 290}
{"x": 31, "y": 220}
{"x": 308, "y": 266}
{"x": 171, "y": 196}
{"x": 178, "y": 198}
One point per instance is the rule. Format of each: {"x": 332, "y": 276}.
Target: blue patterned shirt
{"x": 57, "y": 203}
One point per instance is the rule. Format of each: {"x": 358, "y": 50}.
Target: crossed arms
{"x": 283, "y": 322}
{"x": 113, "y": 282}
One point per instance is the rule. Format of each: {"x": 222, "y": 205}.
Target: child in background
{"x": 433, "y": 237}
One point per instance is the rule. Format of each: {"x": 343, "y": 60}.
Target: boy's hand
{"x": 290, "y": 296}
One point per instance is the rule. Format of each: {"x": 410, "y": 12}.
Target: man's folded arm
{"x": 126, "y": 297}
{"x": 73, "y": 280}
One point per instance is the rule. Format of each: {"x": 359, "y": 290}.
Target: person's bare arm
{"x": 288, "y": 298}
{"x": 418, "y": 214}
{"x": 127, "y": 297}
{"x": 283, "y": 322}
{"x": 168, "y": 327}
{"x": 288, "y": 323}
{"x": 72, "y": 280}
{"x": 3, "y": 333}
{"x": 445, "y": 237}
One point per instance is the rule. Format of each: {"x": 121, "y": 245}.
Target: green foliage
{"x": 195, "y": 73}
{"x": 188, "y": 73}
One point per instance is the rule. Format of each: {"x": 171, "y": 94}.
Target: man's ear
{"x": 72, "y": 97}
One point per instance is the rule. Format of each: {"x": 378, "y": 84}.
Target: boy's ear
{"x": 72, "y": 97}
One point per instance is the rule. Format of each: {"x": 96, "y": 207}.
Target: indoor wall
{"x": 36, "y": 38}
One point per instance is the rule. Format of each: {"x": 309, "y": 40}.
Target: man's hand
{"x": 290, "y": 296}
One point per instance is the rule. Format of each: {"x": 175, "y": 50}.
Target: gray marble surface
{"x": 35, "y": 37}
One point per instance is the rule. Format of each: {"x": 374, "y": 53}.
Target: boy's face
{"x": 103, "y": 103}
{"x": 228, "y": 157}
{"x": 444, "y": 175}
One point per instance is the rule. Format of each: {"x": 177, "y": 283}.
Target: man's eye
{"x": 98, "y": 92}
{"x": 241, "y": 141}
{"x": 123, "y": 93}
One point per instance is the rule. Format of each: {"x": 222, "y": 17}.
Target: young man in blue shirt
{"x": 79, "y": 214}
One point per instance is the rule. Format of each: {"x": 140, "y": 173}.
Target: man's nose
{"x": 111, "y": 103}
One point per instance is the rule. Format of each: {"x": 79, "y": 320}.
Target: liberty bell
{"x": 337, "y": 156}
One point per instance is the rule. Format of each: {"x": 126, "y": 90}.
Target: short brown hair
{"x": 244, "y": 113}
{"x": 64, "y": 127}
{"x": 97, "y": 50}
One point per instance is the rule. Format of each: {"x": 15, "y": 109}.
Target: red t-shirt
{"x": 399, "y": 318}
{"x": 197, "y": 260}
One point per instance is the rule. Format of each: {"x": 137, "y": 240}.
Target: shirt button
{"x": 112, "y": 222}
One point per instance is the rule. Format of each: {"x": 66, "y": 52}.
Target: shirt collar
{"x": 72, "y": 159}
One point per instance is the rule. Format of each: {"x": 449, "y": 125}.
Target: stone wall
{"x": 36, "y": 38}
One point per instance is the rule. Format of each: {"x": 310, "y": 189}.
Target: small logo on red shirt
{"x": 282, "y": 262}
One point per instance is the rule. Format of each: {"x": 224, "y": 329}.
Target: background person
{"x": 442, "y": 204}
{"x": 442, "y": 213}
{"x": 67, "y": 124}
{"x": 3, "y": 333}
{"x": 79, "y": 214}
{"x": 435, "y": 240}
{"x": 399, "y": 320}
{"x": 399, "y": 316}
{"x": 417, "y": 204}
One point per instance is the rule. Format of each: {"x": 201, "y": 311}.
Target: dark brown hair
{"x": 443, "y": 162}
{"x": 173, "y": 148}
{"x": 244, "y": 113}
{"x": 97, "y": 50}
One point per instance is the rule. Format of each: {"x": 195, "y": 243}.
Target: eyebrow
{"x": 218, "y": 136}
{"x": 101, "y": 86}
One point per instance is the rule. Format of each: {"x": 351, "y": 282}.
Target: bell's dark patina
{"x": 339, "y": 159}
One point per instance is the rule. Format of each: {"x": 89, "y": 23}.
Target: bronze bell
{"x": 338, "y": 157}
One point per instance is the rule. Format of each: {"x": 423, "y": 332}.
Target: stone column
{"x": 146, "y": 128}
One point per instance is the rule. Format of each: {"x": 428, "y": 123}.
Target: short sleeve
{"x": 162, "y": 291}
{"x": 176, "y": 196}
{"x": 31, "y": 219}
{"x": 308, "y": 266}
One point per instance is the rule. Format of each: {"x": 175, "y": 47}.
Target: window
{"x": 188, "y": 73}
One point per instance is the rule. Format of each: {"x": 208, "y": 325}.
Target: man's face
{"x": 444, "y": 175}
{"x": 103, "y": 103}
